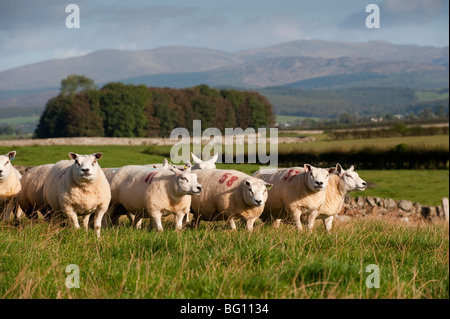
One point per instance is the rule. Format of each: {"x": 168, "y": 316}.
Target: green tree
{"x": 122, "y": 108}
{"x": 346, "y": 118}
{"x": 76, "y": 84}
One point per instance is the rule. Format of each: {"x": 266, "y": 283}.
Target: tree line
{"x": 120, "y": 110}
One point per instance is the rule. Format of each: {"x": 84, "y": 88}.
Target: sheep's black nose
{"x": 199, "y": 188}
{"x": 258, "y": 202}
{"x": 364, "y": 183}
{"x": 86, "y": 170}
{"x": 319, "y": 183}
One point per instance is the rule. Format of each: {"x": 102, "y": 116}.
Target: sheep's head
{"x": 186, "y": 182}
{"x": 5, "y": 164}
{"x": 350, "y": 180}
{"x": 255, "y": 192}
{"x": 317, "y": 177}
{"x": 209, "y": 164}
{"x": 85, "y": 167}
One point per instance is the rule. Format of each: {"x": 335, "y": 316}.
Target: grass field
{"x": 430, "y": 95}
{"x": 282, "y": 119}
{"x": 214, "y": 263}
{"x": 19, "y": 120}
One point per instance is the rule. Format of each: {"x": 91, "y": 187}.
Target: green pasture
{"x": 214, "y": 262}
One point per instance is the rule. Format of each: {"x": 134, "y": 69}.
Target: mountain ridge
{"x": 280, "y": 64}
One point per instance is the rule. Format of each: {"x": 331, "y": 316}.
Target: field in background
{"x": 211, "y": 262}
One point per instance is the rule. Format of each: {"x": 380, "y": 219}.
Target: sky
{"x": 35, "y": 30}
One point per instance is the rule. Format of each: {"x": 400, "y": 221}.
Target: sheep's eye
{"x": 184, "y": 179}
{"x": 76, "y": 163}
{"x": 94, "y": 162}
{"x": 349, "y": 176}
{"x": 251, "y": 192}
{"x": 7, "y": 163}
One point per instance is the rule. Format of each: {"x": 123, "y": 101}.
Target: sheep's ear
{"x": 269, "y": 186}
{"x": 195, "y": 159}
{"x": 98, "y": 155}
{"x": 331, "y": 170}
{"x": 12, "y": 155}
{"x": 308, "y": 167}
{"x": 175, "y": 170}
{"x": 73, "y": 155}
{"x": 247, "y": 182}
{"x": 339, "y": 168}
{"x": 352, "y": 168}
{"x": 214, "y": 158}
{"x": 165, "y": 163}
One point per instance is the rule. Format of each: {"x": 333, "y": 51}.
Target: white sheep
{"x": 295, "y": 191}
{"x": 153, "y": 193}
{"x": 229, "y": 195}
{"x": 115, "y": 214}
{"x": 10, "y": 187}
{"x": 340, "y": 183}
{"x": 32, "y": 196}
{"x": 78, "y": 188}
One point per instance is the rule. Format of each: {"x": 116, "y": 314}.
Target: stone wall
{"x": 403, "y": 210}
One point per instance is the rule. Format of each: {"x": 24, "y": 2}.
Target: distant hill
{"x": 113, "y": 65}
{"x": 308, "y": 72}
{"x": 356, "y": 101}
{"x": 425, "y": 79}
{"x": 374, "y": 50}
{"x": 298, "y": 64}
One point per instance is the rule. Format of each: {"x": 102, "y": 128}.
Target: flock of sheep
{"x": 78, "y": 187}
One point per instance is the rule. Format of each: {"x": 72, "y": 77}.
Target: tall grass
{"x": 213, "y": 262}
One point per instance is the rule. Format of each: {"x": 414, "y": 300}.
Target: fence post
{"x": 445, "y": 207}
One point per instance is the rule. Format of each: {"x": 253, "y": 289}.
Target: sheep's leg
{"x": 179, "y": 216}
{"x": 155, "y": 218}
{"x": 232, "y": 223}
{"x": 131, "y": 219}
{"x": 137, "y": 220}
{"x": 250, "y": 223}
{"x": 98, "y": 216}
{"x": 86, "y": 221}
{"x": 18, "y": 212}
{"x": 277, "y": 223}
{"x": 72, "y": 216}
{"x": 298, "y": 224}
{"x": 328, "y": 223}
{"x": 185, "y": 219}
{"x": 312, "y": 219}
